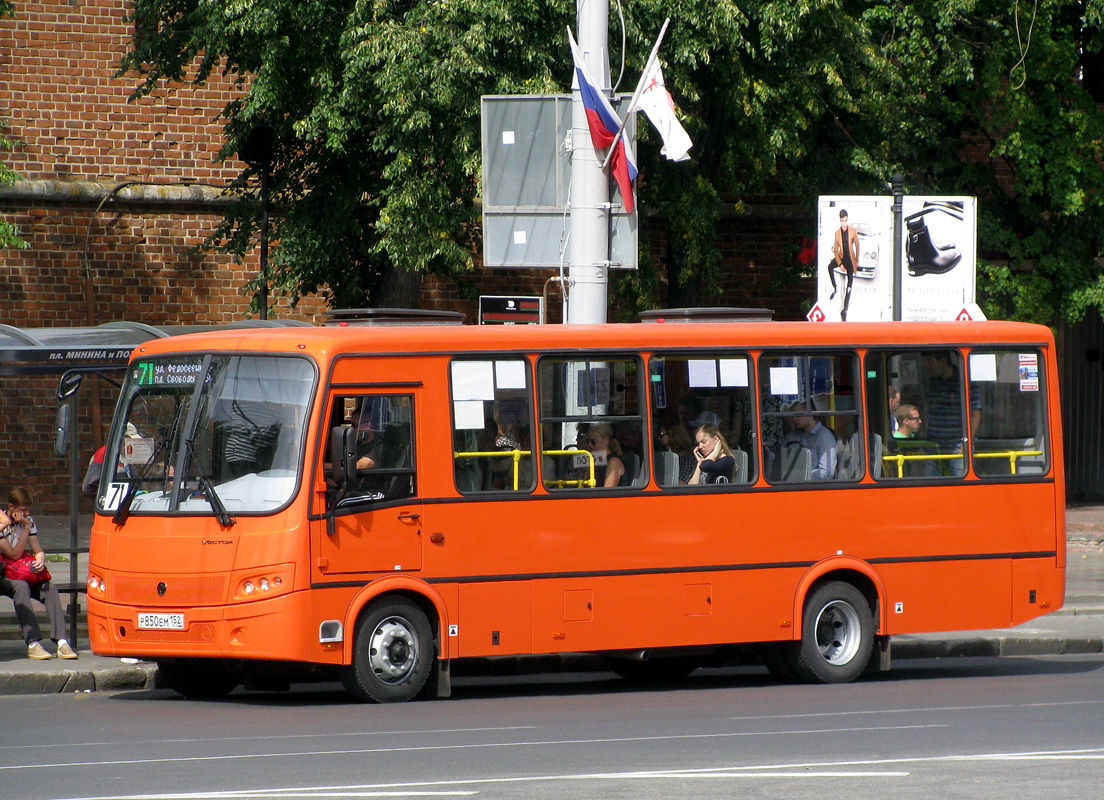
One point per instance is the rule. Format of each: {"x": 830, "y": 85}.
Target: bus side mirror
{"x": 343, "y": 456}
{"x": 61, "y": 428}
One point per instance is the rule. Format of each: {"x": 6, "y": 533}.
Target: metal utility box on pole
{"x": 590, "y": 192}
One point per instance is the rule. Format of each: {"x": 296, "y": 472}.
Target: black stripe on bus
{"x": 621, "y": 573}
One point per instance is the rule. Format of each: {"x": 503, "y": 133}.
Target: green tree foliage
{"x": 375, "y": 107}
{"x": 9, "y": 233}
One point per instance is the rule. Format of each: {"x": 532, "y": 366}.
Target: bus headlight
{"x": 264, "y": 582}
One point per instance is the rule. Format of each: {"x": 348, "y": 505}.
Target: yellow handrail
{"x": 517, "y": 454}
{"x": 1011, "y": 455}
{"x": 900, "y": 458}
{"x": 591, "y": 482}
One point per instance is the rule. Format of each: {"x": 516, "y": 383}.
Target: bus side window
{"x": 592, "y": 422}
{"x": 491, "y": 425}
{"x": 811, "y": 417}
{"x": 688, "y": 392}
{"x": 384, "y": 449}
{"x": 1009, "y": 436}
{"x": 917, "y": 402}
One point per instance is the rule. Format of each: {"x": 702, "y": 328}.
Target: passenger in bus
{"x": 893, "y": 395}
{"x": 367, "y": 444}
{"x": 609, "y": 469}
{"x": 907, "y": 417}
{"x": 944, "y": 407}
{"x": 716, "y": 462}
{"x": 810, "y": 434}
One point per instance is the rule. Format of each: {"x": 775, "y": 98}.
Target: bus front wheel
{"x": 393, "y": 653}
{"x": 837, "y": 635}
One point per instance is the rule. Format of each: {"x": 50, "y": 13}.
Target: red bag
{"x": 22, "y": 569}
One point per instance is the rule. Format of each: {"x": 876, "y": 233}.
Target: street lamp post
{"x": 257, "y": 153}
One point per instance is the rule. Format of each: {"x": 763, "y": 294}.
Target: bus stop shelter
{"x": 42, "y": 372}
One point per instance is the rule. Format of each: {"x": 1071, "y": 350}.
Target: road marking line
{"x": 125, "y": 743}
{"x": 474, "y": 746}
{"x": 918, "y": 710}
{"x": 809, "y": 770}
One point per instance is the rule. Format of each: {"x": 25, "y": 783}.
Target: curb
{"x": 113, "y": 679}
{"x": 997, "y": 647}
{"x": 145, "y": 676}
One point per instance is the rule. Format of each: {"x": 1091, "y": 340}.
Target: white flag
{"x": 656, "y": 102}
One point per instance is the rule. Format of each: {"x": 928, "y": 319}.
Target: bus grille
{"x": 180, "y": 590}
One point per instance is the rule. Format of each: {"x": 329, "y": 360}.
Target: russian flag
{"x": 604, "y": 125}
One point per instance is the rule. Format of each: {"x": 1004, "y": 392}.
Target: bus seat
{"x": 548, "y": 469}
{"x": 741, "y": 475}
{"x": 849, "y": 458}
{"x": 877, "y": 450}
{"x": 797, "y": 464}
{"x": 667, "y": 468}
{"x": 632, "y": 466}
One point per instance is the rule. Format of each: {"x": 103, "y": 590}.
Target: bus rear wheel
{"x": 837, "y": 635}
{"x": 393, "y": 653}
{"x": 198, "y": 678}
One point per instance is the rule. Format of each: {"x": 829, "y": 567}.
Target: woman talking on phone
{"x": 716, "y": 463}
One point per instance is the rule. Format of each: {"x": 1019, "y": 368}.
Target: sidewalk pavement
{"x": 1075, "y": 629}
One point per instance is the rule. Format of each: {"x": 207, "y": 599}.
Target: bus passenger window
{"x": 491, "y": 425}
{"x": 1010, "y": 437}
{"x": 689, "y": 392}
{"x": 591, "y": 423}
{"x": 918, "y": 424}
{"x": 810, "y": 417}
{"x": 384, "y": 427}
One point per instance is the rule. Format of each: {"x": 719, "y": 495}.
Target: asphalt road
{"x": 964, "y": 728}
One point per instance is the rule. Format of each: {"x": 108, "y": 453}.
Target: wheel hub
{"x": 838, "y": 632}
{"x": 393, "y": 650}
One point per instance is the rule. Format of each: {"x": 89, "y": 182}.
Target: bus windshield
{"x": 207, "y": 434}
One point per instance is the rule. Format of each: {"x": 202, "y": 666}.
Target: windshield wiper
{"x": 208, "y": 488}
{"x": 123, "y": 511}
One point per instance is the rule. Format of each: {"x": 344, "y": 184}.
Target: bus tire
{"x": 393, "y": 653}
{"x": 198, "y": 678}
{"x": 837, "y": 635}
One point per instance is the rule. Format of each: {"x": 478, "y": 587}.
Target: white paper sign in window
{"x": 983, "y": 367}
{"x": 473, "y": 380}
{"x": 734, "y": 372}
{"x": 702, "y": 373}
{"x": 783, "y": 380}
{"x": 468, "y": 414}
{"x": 510, "y": 374}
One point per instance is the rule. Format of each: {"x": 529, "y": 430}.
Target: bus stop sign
{"x": 496, "y": 310}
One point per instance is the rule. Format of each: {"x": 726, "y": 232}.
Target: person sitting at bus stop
{"x": 20, "y": 537}
{"x": 609, "y": 469}
{"x": 908, "y": 421}
{"x": 716, "y": 462}
{"x": 813, "y": 436}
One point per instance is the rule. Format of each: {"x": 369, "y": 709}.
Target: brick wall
{"x": 132, "y": 260}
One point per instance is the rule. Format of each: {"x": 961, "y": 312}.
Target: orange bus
{"x": 373, "y": 502}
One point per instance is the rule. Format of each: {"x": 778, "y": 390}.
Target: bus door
{"x": 374, "y": 521}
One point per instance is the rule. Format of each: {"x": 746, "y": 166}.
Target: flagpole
{"x": 636, "y": 95}
{"x": 588, "y": 247}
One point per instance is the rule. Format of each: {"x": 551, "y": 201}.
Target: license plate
{"x": 171, "y": 622}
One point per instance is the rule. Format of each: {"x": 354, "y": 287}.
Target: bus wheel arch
{"x": 837, "y": 638}
{"x": 848, "y": 570}
{"x": 393, "y": 650}
{"x": 431, "y": 604}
